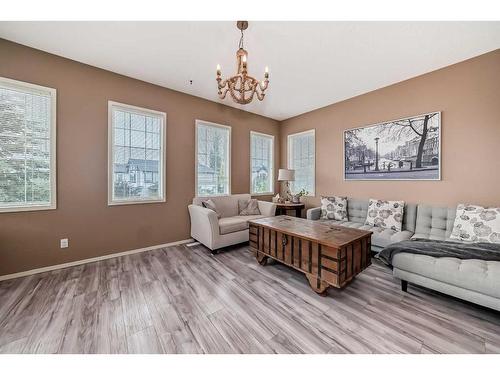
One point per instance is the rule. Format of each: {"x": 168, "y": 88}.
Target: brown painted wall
{"x": 31, "y": 239}
{"x": 468, "y": 94}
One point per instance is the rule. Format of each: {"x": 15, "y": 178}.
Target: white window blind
{"x": 27, "y": 146}
{"x": 301, "y": 158}
{"x": 213, "y": 159}
{"x": 137, "y": 154}
{"x": 261, "y": 163}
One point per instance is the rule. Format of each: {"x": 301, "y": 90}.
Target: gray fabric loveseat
{"x": 357, "y": 210}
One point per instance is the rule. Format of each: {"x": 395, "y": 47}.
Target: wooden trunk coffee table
{"x": 329, "y": 255}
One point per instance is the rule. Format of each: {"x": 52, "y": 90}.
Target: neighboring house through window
{"x": 137, "y": 154}
{"x": 213, "y": 159}
{"x": 301, "y": 158}
{"x": 261, "y": 163}
{"x": 27, "y": 146}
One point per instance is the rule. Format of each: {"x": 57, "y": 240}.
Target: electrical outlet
{"x": 64, "y": 243}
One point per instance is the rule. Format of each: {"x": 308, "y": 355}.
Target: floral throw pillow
{"x": 385, "y": 214}
{"x": 476, "y": 224}
{"x": 334, "y": 208}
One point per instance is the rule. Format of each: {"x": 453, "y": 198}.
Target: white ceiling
{"x": 311, "y": 64}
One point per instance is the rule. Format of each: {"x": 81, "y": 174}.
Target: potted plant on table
{"x": 296, "y": 197}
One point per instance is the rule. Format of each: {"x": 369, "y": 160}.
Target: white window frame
{"x": 271, "y": 163}
{"x": 289, "y": 153}
{"x": 40, "y": 90}
{"x": 163, "y": 153}
{"x": 203, "y": 122}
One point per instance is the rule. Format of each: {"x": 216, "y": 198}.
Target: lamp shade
{"x": 286, "y": 175}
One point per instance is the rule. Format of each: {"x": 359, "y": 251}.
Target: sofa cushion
{"x": 472, "y": 274}
{"x": 476, "y": 223}
{"x": 381, "y": 237}
{"x": 357, "y": 210}
{"x": 334, "y": 208}
{"x": 235, "y": 223}
{"x": 385, "y": 214}
{"x": 434, "y": 223}
{"x": 386, "y": 237}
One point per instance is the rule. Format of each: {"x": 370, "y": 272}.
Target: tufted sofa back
{"x": 435, "y": 223}
{"x": 357, "y": 209}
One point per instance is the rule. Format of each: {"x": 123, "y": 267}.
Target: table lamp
{"x": 286, "y": 175}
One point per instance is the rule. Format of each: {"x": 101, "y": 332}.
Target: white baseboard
{"x": 90, "y": 260}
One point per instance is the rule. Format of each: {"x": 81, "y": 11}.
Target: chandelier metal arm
{"x": 222, "y": 94}
{"x": 260, "y": 94}
{"x": 221, "y": 83}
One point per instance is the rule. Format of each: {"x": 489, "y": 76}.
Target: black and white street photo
{"x": 404, "y": 149}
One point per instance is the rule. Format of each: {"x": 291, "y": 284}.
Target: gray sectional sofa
{"x": 473, "y": 280}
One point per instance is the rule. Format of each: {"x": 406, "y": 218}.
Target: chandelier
{"x": 241, "y": 86}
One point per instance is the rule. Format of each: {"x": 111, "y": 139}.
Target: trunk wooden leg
{"x": 261, "y": 258}
{"x": 404, "y": 285}
{"x": 317, "y": 285}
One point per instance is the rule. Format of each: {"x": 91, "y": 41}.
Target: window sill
{"x": 27, "y": 208}
{"x": 213, "y": 195}
{"x": 125, "y": 202}
{"x": 262, "y": 194}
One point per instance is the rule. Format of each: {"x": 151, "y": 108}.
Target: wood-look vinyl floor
{"x": 184, "y": 300}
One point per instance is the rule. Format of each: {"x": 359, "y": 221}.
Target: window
{"x": 136, "y": 154}
{"x": 149, "y": 177}
{"x": 27, "y": 146}
{"x": 301, "y": 158}
{"x": 213, "y": 159}
{"x": 261, "y": 163}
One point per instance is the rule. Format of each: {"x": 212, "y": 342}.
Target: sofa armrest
{"x": 267, "y": 208}
{"x": 204, "y": 225}
{"x": 313, "y": 213}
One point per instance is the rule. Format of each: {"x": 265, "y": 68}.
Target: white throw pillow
{"x": 385, "y": 214}
{"x": 476, "y": 224}
{"x": 334, "y": 208}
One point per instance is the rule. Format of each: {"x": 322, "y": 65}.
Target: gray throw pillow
{"x": 250, "y": 207}
{"x": 211, "y": 206}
